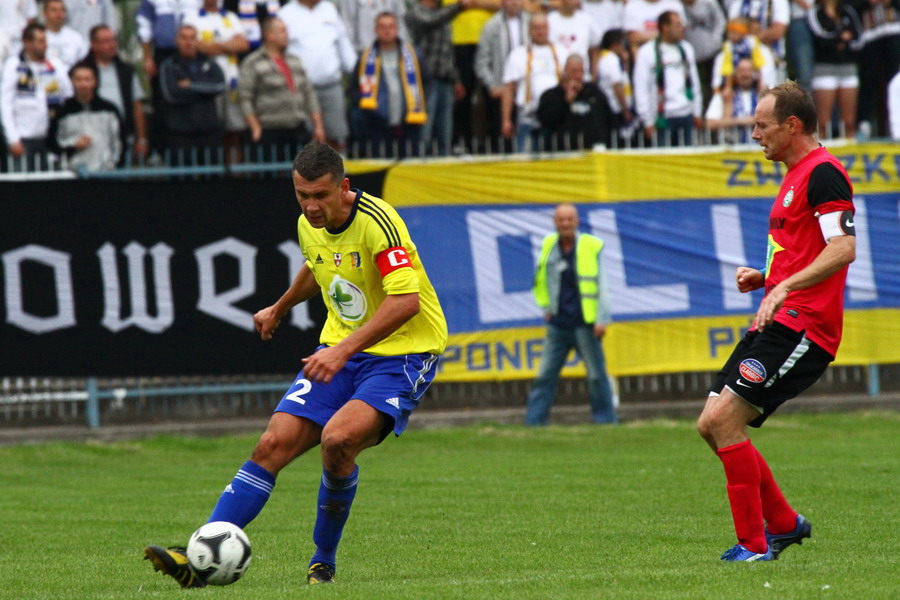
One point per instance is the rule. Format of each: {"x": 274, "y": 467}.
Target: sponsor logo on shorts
{"x": 752, "y": 370}
{"x": 395, "y": 402}
{"x": 792, "y": 313}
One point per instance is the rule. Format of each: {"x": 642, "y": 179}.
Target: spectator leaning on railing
{"x": 190, "y": 83}
{"x": 732, "y": 113}
{"x": 63, "y": 43}
{"x": 574, "y": 115}
{"x": 429, "y": 26}
{"x": 31, "y": 84}
{"x": 119, "y": 84}
{"x": 221, "y": 36}
{"x": 504, "y": 32}
{"x": 277, "y": 97}
{"x": 530, "y": 71}
{"x": 86, "y": 128}
{"x": 318, "y": 37}
{"x": 705, "y": 27}
{"x": 390, "y": 93}
{"x": 667, "y": 86}
{"x": 836, "y": 30}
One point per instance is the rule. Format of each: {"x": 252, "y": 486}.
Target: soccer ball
{"x": 219, "y": 552}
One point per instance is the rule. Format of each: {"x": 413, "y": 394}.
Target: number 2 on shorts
{"x": 304, "y": 388}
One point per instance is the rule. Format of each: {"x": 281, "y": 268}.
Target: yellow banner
{"x": 623, "y": 176}
{"x": 648, "y": 347}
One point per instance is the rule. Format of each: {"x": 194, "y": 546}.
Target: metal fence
{"x": 257, "y": 161}
{"x": 29, "y": 401}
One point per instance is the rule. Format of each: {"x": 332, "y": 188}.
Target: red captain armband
{"x": 392, "y": 259}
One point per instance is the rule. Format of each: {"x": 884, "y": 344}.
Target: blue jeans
{"x": 557, "y": 344}
{"x": 679, "y": 131}
{"x": 800, "y": 51}
{"x": 438, "y": 130}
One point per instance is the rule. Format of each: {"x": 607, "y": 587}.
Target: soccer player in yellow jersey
{"x": 380, "y": 346}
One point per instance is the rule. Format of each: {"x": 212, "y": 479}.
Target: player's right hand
{"x": 266, "y": 322}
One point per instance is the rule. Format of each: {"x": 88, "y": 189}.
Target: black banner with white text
{"x": 140, "y": 278}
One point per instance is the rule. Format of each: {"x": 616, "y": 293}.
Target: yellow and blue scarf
{"x": 370, "y": 79}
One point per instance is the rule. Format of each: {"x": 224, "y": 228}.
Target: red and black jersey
{"x": 815, "y": 186}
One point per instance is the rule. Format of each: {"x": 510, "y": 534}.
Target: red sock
{"x": 779, "y": 515}
{"x": 742, "y": 473}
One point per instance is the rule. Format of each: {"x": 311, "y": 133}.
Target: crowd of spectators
{"x": 256, "y": 79}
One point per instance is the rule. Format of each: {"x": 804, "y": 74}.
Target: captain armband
{"x": 392, "y": 259}
{"x": 837, "y": 224}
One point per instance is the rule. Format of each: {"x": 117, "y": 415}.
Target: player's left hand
{"x": 770, "y": 305}
{"x": 324, "y": 364}
{"x": 599, "y": 330}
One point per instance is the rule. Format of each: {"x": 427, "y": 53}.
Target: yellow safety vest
{"x": 587, "y": 270}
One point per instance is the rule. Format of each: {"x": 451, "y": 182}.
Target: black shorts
{"x": 769, "y": 368}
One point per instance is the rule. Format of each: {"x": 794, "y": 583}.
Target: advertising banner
{"x": 163, "y": 277}
{"x": 676, "y": 226}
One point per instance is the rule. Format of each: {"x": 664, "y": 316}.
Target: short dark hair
{"x": 95, "y": 31}
{"x": 387, "y": 13}
{"x": 28, "y": 32}
{"x": 792, "y": 100}
{"x": 84, "y": 64}
{"x": 611, "y": 38}
{"x": 665, "y": 19}
{"x": 318, "y": 159}
{"x": 267, "y": 24}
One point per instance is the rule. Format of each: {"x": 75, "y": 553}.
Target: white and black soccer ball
{"x": 219, "y": 552}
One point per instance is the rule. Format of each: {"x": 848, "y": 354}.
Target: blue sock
{"x": 245, "y": 496}
{"x": 335, "y": 498}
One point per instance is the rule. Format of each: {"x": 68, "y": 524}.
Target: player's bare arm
{"x": 749, "y": 279}
{"x": 394, "y": 311}
{"x": 840, "y": 252}
{"x": 302, "y": 289}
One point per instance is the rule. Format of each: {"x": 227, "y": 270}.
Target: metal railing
{"x": 30, "y": 401}
{"x": 256, "y": 161}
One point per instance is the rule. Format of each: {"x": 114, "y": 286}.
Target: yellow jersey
{"x": 370, "y": 258}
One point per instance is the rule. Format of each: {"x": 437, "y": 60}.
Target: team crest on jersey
{"x": 347, "y": 299}
{"x": 752, "y": 370}
{"x": 337, "y": 259}
{"x": 354, "y": 260}
{"x": 788, "y": 198}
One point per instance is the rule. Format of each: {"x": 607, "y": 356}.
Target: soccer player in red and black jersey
{"x": 797, "y": 329}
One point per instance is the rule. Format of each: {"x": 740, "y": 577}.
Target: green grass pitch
{"x": 494, "y": 512}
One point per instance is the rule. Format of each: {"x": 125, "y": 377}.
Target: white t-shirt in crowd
{"x": 641, "y": 15}
{"x": 66, "y": 45}
{"x": 608, "y": 14}
{"x": 677, "y": 103}
{"x": 320, "y": 39}
{"x": 546, "y": 68}
{"x": 609, "y": 73}
{"x": 575, "y": 34}
{"x": 894, "y": 106}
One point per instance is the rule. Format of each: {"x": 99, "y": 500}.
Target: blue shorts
{"x": 392, "y": 385}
